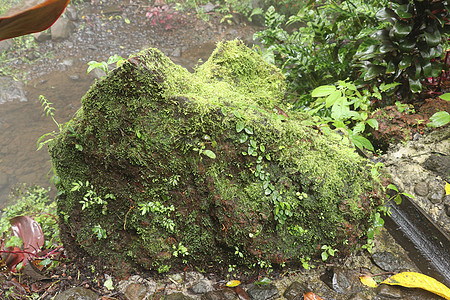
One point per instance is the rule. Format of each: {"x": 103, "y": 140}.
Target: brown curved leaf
{"x": 34, "y": 19}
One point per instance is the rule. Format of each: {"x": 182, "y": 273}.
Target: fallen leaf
{"x": 447, "y": 188}
{"x": 311, "y": 296}
{"x": 421, "y": 281}
{"x": 241, "y": 293}
{"x": 30, "y": 232}
{"x": 34, "y": 19}
{"x": 368, "y": 280}
{"x": 233, "y": 283}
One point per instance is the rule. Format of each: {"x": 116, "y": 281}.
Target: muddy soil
{"x": 57, "y": 70}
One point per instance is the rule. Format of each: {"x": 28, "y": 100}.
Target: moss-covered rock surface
{"x": 161, "y": 168}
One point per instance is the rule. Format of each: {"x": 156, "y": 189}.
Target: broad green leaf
{"x": 387, "y": 47}
{"x": 361, "y": 142}
{"x": 209, "y": 153}
{"x": 332, "y": 98}
{"x": 373, "y": 123}
{"x": 439, "y": 119}
{"x": 415, "y": 85}
{"x": 405, "y": 62}
{"x": 390, "y": 67}
{"x": 402, "y": 29}
{"x": 403, "y": 11}
{"x": 323, "y": 91}
{"x": 374, "y": 71}
{"x": 421, "y": 281}
{"x": 445, "y": 96}
{"x": 432, "y": 69}
{"x": 368, "y": 281}
{"x": 407, "y": 45}
{"x": 433, "y": 38}
{"x": 386, "y": 14}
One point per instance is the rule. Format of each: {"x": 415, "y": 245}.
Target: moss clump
{"x": 177, "y": 167}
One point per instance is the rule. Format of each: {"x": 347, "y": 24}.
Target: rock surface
{"x": 162, "y": 166}
{"x": 422, "y": 168}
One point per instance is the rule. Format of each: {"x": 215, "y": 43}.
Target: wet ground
{"x": 58, "y": 70}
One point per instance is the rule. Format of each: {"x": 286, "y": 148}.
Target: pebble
{"x": 388, "y": 291}
{"x": 386, "y": 261}
{"x": 421, "y": 188}
{"x": 262, "y": 292}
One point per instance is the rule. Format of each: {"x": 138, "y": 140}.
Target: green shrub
{"x": 409, "y": 47}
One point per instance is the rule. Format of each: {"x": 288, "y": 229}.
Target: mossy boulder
{"x": 162, "y": 167}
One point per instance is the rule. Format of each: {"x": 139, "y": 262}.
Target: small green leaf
{"x": 209, "y": 153}
{"x": 398, "y": 199}
{"x": 126, "y": 20}
{"x": 373, "y": 123}
{"x": 248, "y": 130}
{"x": 262, "y": 148}
{"x": 392, "y": 187}
{"x": 415, "y": 85}
{"x": 239, "y": 126}
{"x": 445, "y": 96}
{"x": 439, "y": 119}
{"x": 108, "y": 284}
{"x": 46, "y": 262}
{"x": 243, "y": 138}
{"x": 323, "y": 91}
{"x": 361, "y": 142}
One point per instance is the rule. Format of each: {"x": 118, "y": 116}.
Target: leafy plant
{"x": 104, "y": 65}
{"x": 408, "y": 47}
{"x": 320, "y": 50}
{"x": 99, "y": 232}
{"x": 90, "y": 196}
{"x": 162, "y": 213}
{"x": 347, "y": 109}
{"x": 327, "y": 252}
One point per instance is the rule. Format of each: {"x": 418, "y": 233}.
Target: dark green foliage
{"x": 320, "y": 45}
{"x": 409, "y": 47}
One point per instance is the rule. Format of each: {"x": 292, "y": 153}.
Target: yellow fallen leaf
{"x": 368, "y": 280}
{"x": 421, "y": 281}
{"x": 447, "y": 188}
{"x": 233, "y": 283}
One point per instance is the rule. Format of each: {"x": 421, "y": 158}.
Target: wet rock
{"x": 421, "y": 188}
{"x": 386, "y": 261}
{"x": 42, "y": 36}
{"x": 5, "y": 45}
{"x": 436, "y": 196}
{"x": 208, "y": 7}
{"x": 447, "y": 205}
{"x": 389, "y": 291}
{"x": 177, "y": 296}
{"x": 295, "y": 291}
{"x": 62, "y": 29}
{"x": 176, "y": 52}
{"x": 262, "y": 292}
{"x": 11, "y": 90}
{"x": 71, "y": 13}
{"x": 438, "y": 164}
{"x": 233, "y": 78}
{"x": 135, "y": 291}
{"x": 224, "y": 294}
{"x": 202, "y": 287}
{"x": 77, "y": 293}
{"x": 336, "y": 279}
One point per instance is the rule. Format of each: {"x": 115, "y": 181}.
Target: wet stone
{"x": 436, "y": 197}
{"x": 77, "y": 293}
{"x": 386, "y": 261}
{"x": 61, "y": 29}
{"x": 135, "y": 291}
{"x": 421, "y": 189}
{"x": 202, "y": 287}
{"x": 438, "y": 164}
{"x": 336, "y": 279}
{"x": 357, "y": 296}
{"x": 262, "y": 292}
{"x": 295, "y": 291}
{"x": 224, "y": 294}
{"x": 388, "y": 291}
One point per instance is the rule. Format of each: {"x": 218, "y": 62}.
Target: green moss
{"x": 276, "y": 188}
